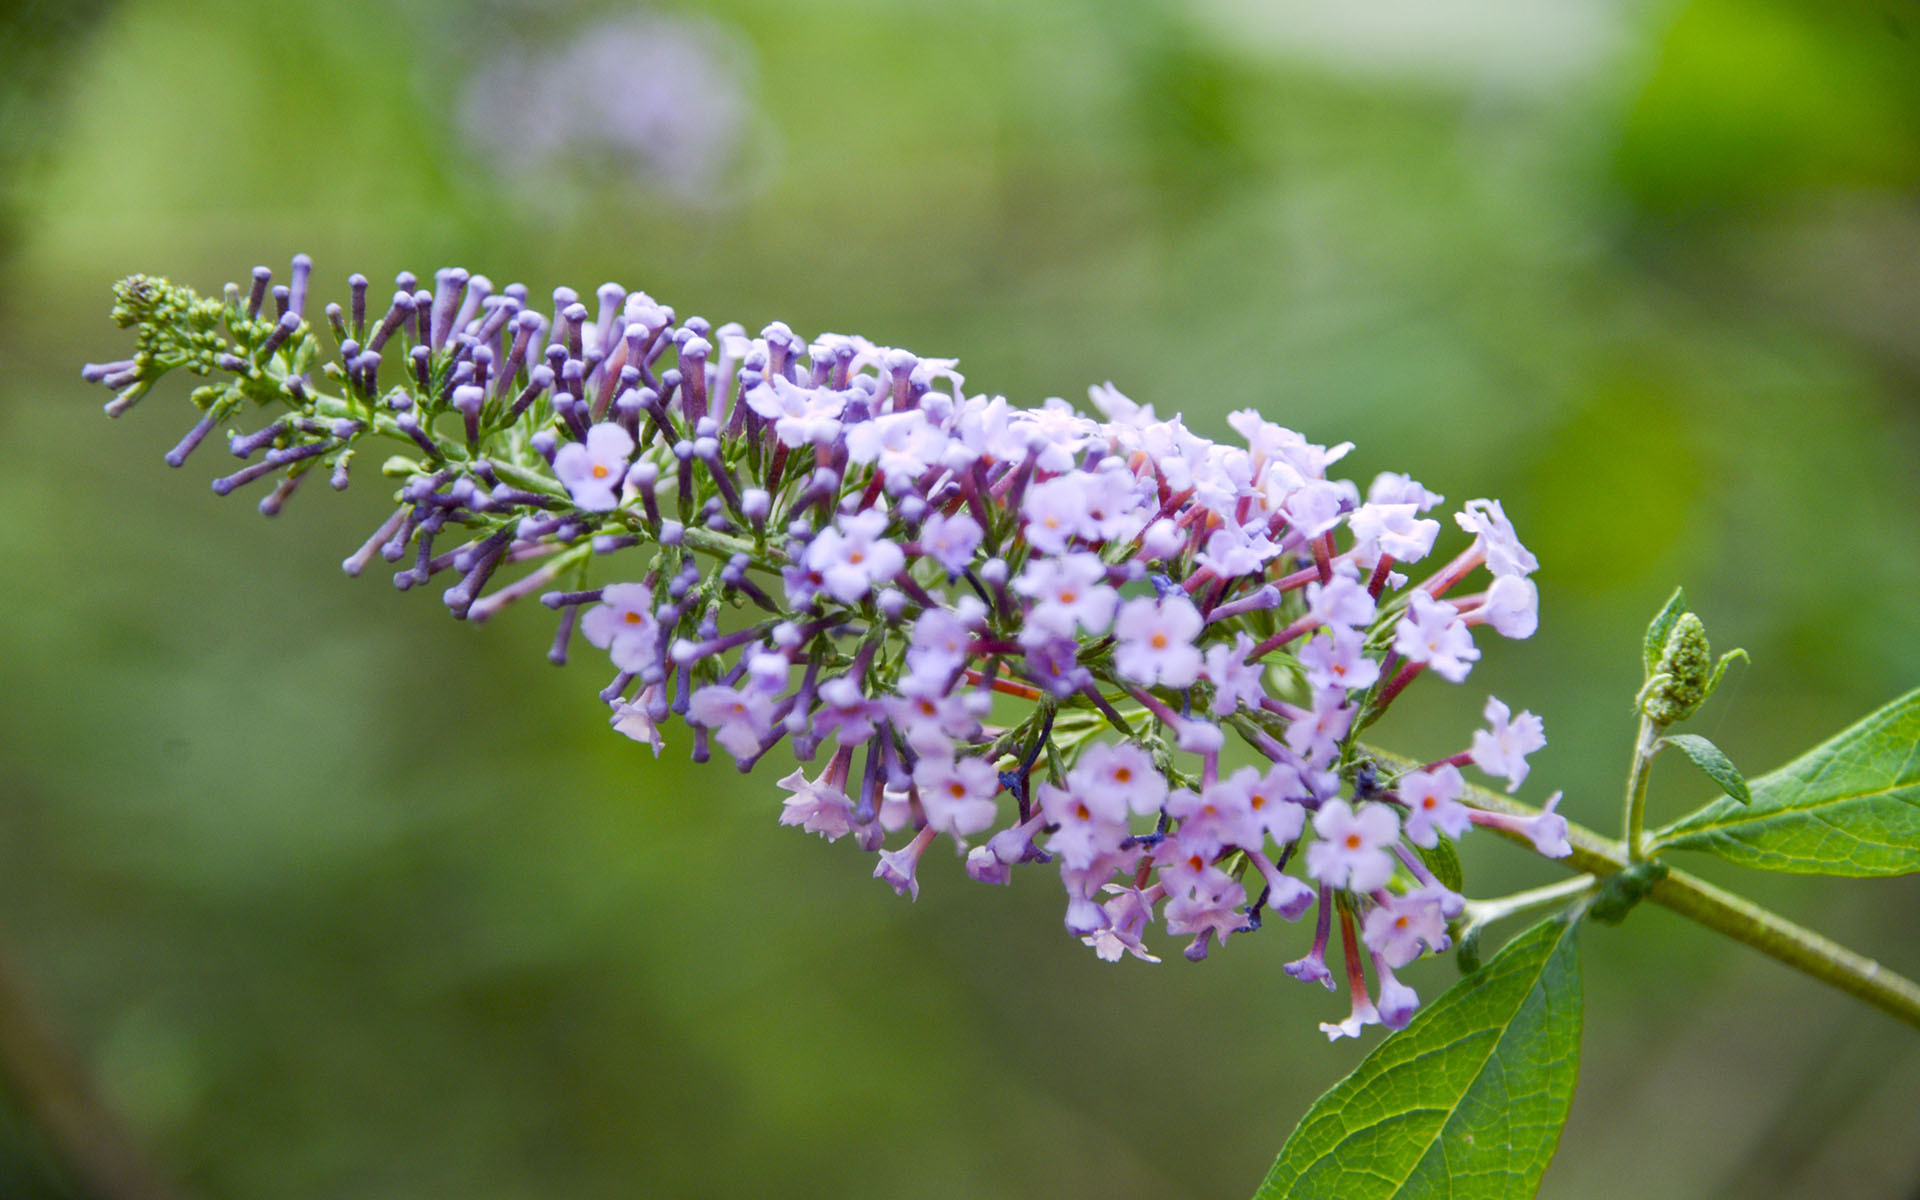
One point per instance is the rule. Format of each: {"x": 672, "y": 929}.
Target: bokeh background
{"x": 334, "y": 897}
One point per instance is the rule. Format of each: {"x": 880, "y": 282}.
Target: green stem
{"x": 1644, "y": 748}
{"x": 1719, "y": 910}
{"x": 1485, "y": 912}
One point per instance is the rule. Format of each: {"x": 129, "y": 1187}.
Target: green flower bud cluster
{"x": 173, "y": 325}
{"x": 1681, "y": 671}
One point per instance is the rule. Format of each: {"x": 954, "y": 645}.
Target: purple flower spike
{"x": 1042, "y": 626}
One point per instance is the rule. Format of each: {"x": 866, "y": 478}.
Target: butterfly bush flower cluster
{"x": 1096, "y": 644}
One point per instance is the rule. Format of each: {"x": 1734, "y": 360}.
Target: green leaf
{"x": 1710, "y": 759}
{"x": 1657, "y": 632}
{"x": 1850, "y": 806}
{"x": 1720, "y": 668}
{"x": 1465, "y": 1102}
{"x": 1444, "y": 861}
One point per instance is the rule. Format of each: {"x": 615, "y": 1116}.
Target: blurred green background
{"x": 336, "y": 897}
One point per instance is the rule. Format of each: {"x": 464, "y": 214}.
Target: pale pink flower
{"x": 950, "y": 540}
{"x": 633, "y": 720}
{"x": 623, "y": 625}
{"x": 1215, "y": 817}
{"x": 1391, "y": 487}
{"x": 1512, "y": 607}
{"x": 593, "y": 471}
{"x": 957, "y": 794}
{"x": 1273, "y": 799}
{"x": 1210, "y": 907}
{"x": 1339, "y": 661}
{"x": 1067, "y": 591}
{"x": 1128, "y": 913}
{"x": 1350, "y": 848}
{"x": 1056, "y": 512}
{"x": 1392, "y": 529}
{"x": 816, "y": 805}
{"x": 900, "y": 445}
{"x": 938, "y": 645}
{"x": 930, "y": 717}
{"x": 1343, "y": 600}
{"x": 1121, "y": 769}
{"x": 1433, "y": 804}
{"x": 1431, "y": 632}
{"x": 1156, "y": 641}
{"x": 1235, "y": 680}
{"x": 1092, "y": 823}
{"x": 1363, "y": 1015}
{"x": 1502, "y": 747}
{"x": 800, "y": 415}
{"x": 740, "y": 720}
{"x": 1316, "y": 737}
{"x": 852, "y": 557}
{"x": 1495, "y": 539}
{"x": 1402, "y": 928}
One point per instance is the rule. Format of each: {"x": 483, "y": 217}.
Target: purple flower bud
{"x": 468, "y": 400}
{"x": 538, "y": 381}
{"x": 245, "y": 475}
{"x": 574, "y": 315}
{"x": 195, "y": 436}
{"x": 397, "y": 313}
{"x": 258, "y": 295}
{"x": 479, "y": 288}
{"x": 450, "y": 283}
{"x": 357, "y": 284}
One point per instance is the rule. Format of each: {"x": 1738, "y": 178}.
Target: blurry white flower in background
{"x": 657, "y": 99}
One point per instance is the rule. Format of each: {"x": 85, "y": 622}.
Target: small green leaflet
{"x": 1662, "y": 625}
{"x": 1466, "y": 1102}
{"x": 1443, "y": 861}
{"x": 1850, "y": 806}
{"x": 1712, "y": 760}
